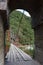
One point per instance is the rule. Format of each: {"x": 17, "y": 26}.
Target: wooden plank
{"x": 16, "y": 55}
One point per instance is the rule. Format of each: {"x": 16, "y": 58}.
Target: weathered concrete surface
{"x": 35, "y": 8}
{"x": 39, "y": 43}
{"x": 3, "y": 5}
{"x": 1, "y": 43}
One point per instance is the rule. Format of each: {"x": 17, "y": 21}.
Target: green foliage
{"x": 25, "y": 33}
{"x": 28, "y": 51}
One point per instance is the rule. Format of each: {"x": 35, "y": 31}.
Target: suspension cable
{"x": 19, "y": 24}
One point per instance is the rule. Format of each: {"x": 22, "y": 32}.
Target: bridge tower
{"x": 3, "y": 28}
{"x": 35, "y": 8}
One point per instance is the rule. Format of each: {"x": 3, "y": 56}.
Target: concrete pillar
{"x": 39, "y": 43}
{"x": 1, "y": 42}
{"x": 37, "y": 23}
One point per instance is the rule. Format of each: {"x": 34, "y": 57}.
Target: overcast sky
{"x": 25, "y": 12}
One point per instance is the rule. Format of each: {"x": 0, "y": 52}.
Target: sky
{"x": 25, "y": 12}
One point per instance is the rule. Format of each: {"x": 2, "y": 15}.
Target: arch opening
{"x": 21, "y": 32}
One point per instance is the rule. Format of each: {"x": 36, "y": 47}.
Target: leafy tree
{"x": 25, "y": 32}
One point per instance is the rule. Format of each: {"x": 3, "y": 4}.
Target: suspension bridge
{"x": 16, "y": 56}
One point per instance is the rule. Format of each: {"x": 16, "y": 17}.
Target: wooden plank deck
{"x": 17, "y": 57}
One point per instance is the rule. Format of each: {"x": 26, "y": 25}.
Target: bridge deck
{"x": 18, "y": 57}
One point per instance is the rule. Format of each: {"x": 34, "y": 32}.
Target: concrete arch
{"x": 32, "y": 6}
{"x": 35, "y": 8}
{"x": 29, "y": 5}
